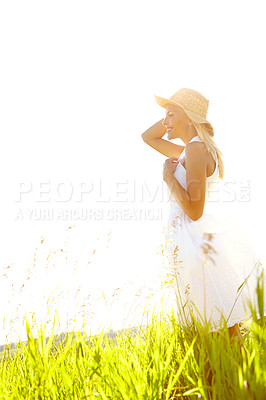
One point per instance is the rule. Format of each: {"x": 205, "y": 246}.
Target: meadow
{"x": 157, "y": 360}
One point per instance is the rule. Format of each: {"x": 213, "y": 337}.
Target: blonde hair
{"x": 206, "y": 133}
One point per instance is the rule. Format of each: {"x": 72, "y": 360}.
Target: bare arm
{"x": 191, "y": 200}
{"x": 153, "y": 137}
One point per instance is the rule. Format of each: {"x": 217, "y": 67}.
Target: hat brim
{"x": 193, "y": 116}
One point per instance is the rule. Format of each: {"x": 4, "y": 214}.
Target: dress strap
{"x": 194, "y": 139}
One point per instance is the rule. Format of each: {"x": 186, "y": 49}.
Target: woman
{"x": 210, "y": 256}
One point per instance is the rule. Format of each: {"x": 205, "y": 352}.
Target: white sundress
{"x": 208, "y": 260}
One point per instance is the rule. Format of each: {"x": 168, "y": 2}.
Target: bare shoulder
{"x": 196, "y": 149}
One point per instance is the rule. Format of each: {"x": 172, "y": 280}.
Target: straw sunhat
{"x": 192, "y": 102}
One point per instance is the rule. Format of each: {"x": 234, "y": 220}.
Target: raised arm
{"x": 153, "y": 137}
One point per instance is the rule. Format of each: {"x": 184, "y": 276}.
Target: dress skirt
{"x": 214, "y": 266}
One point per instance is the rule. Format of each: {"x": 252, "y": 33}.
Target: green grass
{"x": 157, "y": 361}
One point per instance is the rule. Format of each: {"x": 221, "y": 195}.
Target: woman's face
{"x": 175, "y": 121}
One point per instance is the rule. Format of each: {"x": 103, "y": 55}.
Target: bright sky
{"x": 78, "y": 81}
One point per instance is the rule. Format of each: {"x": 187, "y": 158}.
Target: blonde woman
{"x": 210, "y": 256}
